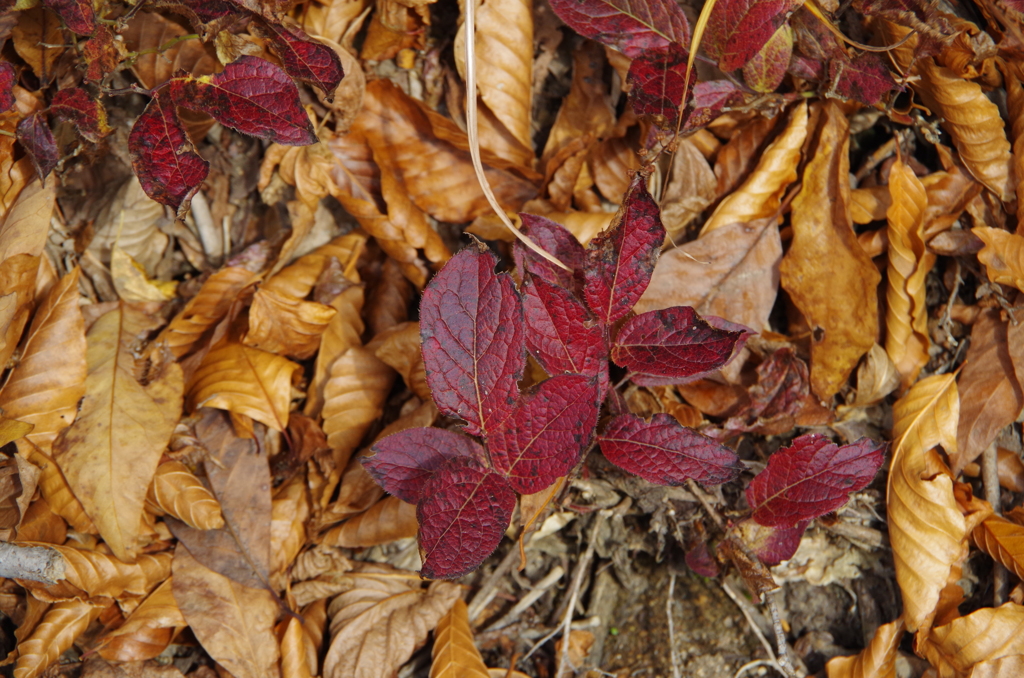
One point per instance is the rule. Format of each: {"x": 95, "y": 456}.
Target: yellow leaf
{"x": 180, "y": 494}
{"x": 289, "y": 513}
{"x": 926, "y": 527}
{"x": 286, "y": 325}
{"x": 384, "y": 522}
{"x": 877, "y": 660}
{"x": 148, "y": 630}
{"x": 986, "y": 635}
{"x": 55, "y": 634}
{"x": 1003, "y": 256}
{"x": 110, "y": 453}
{"x": 354, "y": 398}
{"x": 45, "y": 387}
{"x": 454, "y": 654}
{"x": 906, "y": 317}
{"x": 1015, "y": 105}
{"x": 132, "y": 283}
{"x": 294, "y": 658}
{"x": 826, "y": 272}
{"x": 247, "y": 381}
{"x": 12, "y": 429}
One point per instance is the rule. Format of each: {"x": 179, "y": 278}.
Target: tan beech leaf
{"x": 55, "y": 634}
{"x": 297, "y": 279}
{"x": 25, "y": 228}
{"x": 55, "y": 489}
{"x": 131, "y": 220}
{"x": 948, "y": 195}
{"x": 131, "y": 282}
{"x": 986, "y": 635}
{"x": 399, "y": 347}
{"x": 343, "y": 332}
{"x": 49, "y": 380}
{"x": 148, "y": 630}
{"x": 386, "y": 521}
{"x": 233, "y": 623}
{"x": 1003, "y": 256}
{"x": 761, "y": 194}
{"x": 389, "y": 299}
{"x": 354, "y": 398}
{"x": 90, "y": 574}
{"x": 826, "y": 272}
{"x": 1004, "y": 666}
{"x": 40, "y": 524}
{"x": 455, "y": 654}
{"x": 334, "y": 19}
{"x": 376, "y": 626}
{"x": 869, "y": 204}
{"x": 586, "y": 109}
{"x": 611, "y": 162}
{"x": 1003, "y": 541}
{"x": 1015, "y": 104}
{"x": 18, "y": 282}
{"x": 991, "y": 397}
{"x": 973, "y": 122}
{"x": 177, "y": 492}
{"x": 876, "y": 377}
{"x": 110, "y": 453}
{"x": 906, "y": 316}
{"x": 245, "y": 380}
{"x": 877, "y": 660}
{"x": 286, "y": 325}
{"x": 37, "y": 40}
{"x": 404, "y": 215}
{"x": 294, "y": 657}
{"x": 690, "y": 190}
{"x": 289, "y": 513}
{"x": 738, "y": 157}
{"x": 926, "y": 527}
{"x": 149, "y": 31}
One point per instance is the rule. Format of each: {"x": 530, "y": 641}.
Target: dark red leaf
{"x": 81, "y": 110}
{"x": 658, "y": 86}
{"x": 707, "y": 102}
{"x": 738, "y": 29}
{"x": 403, "y": 462}
{"x": 101, "y": 54}
{"x": 547, "y": 433}
{"x": 35, "y": 136}
{"x": 303, "y": 58}
{"x": 621, "y": 259}
{"x": 252, "y": 96}
{"x": 561, "y": 334}
{"x": 865, "y": 78}
{"x": 167, "y": 166}
{"x": 8, "y": 76}
{"x": 810, "y": 478}
{"x": 673, "y": 343}
{"x": 781, "y": 395}
{"x": 630, "y": 26}
{"x": 557, "y": 241}
{"x": 766, "y": 69}
{"x": 78, "y": 15}
{"x": 666, "y": 453}
{"x": 772, "y": 545}
{"x": 474, "y": 351}
{"x": 463, "y": 515}
{"x": 700, "y": 560}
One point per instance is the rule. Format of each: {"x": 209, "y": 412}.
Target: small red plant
{"x": 476, "y": 329}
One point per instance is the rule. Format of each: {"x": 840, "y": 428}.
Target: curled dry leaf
{"x": 343, "y": 332}
{"x": 110, "y": 453}
{"x": 245, "y": 380}
{"x": 286, "y": 325}
{"x": 987, "y": 634}
{"x": 294, "y": 657}
{"x": 55, "y": 489}
{"x": 585, "y": 112}
{"x": 1003, "y": 541}
{"x": 399, "y": 347}
{"x": 354, "y": 397}
{"x": 177, "y": 492}
{"x": 906, "y": 316}
{"x": 761, "y": 194}
{"x": 131, "y": 220}
{"x": 388, "y": 520}
{"x": 148, "y": 630}
{"x": 876, "y": 377}
{"x": 91, "y": 574}
{"x": 877, "y": 660}
{"x": 376, "y": 626}
{"x": 690, "y": 190}
{"x": 825, "y": 256}
{"x": 926, "y": 527}
{"x": 57, "y": 631}
{"x": 1003, "y": 256}
{"x": 454, "y": 654}
{"x": 289, "y": 513}
{"x": 297, "y": 279}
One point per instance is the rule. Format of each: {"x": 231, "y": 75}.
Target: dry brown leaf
{"x": 386, "y": 521}
{"x": 233, "y": 623}
{"x": 131, "y": 220}
{"x": 294, "y": 657}
{"x": 455, "y": 654}
{"x": 354, "y": 397}
{"x": 298, "y": 278}
{"x": 906, "y": 317}
{"x": 926, "y": 527}
{"x": 334, "y": 19}
{"x": 376, "y": 626}
{"x": 247, "y": 381}
{"x": 876, "y": 377}
{"x": 288, "y": 515}
{"x": 286, "y": 325}
{"x": 761, "y": 194}
{"x": 177, "y": 492}
{"x": 389, "y": 298}
{"x": 1003, "y": 541}
{"x": 133, "y": 284}
{"x": 40, "y": 524}
{"x": 739, "y": 156}
{"x": 110, "y": 453}
{"x": 148, "y": 630}
{"x": 869, "y": 204}
{"x": 991, "y": 396}
{"x": 877, "y": 660}
{"x": 38, "y": 39}
{"x": 1003, "y": 256}
{"x": 412, "y": 223}
{"x": 690, "y": 190}
{"x": 973, "y": 122}
{"x": 825, "y": 257}
{"x": 91, "y": 574}
{"x": 342, "y": 333}
{"x": 586, "y": 109}
{"x": 55, "y": 489}
{"x": 988, "y": 634}
{"x": 1015, "y": 105}
{"x": 57, "y": 631}
{"x": 18, "y": 281}
{"x": 24, "y": 228}
{"x": 45, "y": 387}
{"x": 399, "y": 347}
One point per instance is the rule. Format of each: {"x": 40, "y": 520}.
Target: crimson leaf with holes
{"x": 35, "y": 135}
{"x": 81, "y": 110}
{"x": 303, "y": 58}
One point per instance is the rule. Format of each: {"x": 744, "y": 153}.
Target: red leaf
{"x": 620, "y": 260}
{"x": 674, "y": 343}
{"x": 772, "y": 545}
{"x": 865, "y": 78}
{"x": 561, "y": 334}
{"x": 252, "y": 96}
{"x": 658, "y": 84}
{"x": 556, "y": 240}
{"x": 8, "y": 76}
{"x": 78, "y": 15}
{"x": 738, "y": 29}
{"x": 780, "y": 400}
{"x": 700, "y": 560}
{"x": 101, "y": 54}
{"x": 810, "y": 478}
{"x": 630, "y": 26}
{"x": 709, "y": 98}
{"x": 81, "y": 110}
{"x": 402, "y": 463}
{"x": 303, "y": 58}
{"x": 665, "y": 453}
{"x": 547, "y": 433}
{"x": 35, "y": 136}
{"x": 766, "y": 69}
{"x": 474, "y": 351}
{"x": 168, "y": 168}
{"x": 463, "y": 515}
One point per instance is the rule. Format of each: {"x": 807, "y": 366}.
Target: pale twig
{"x": 474, "y": 140}
{"x": 490, "y": 587}
{"x": 577, "y": 581}
{"x": 780, "y": 636}
{"x": 750, "y": 621}
{"x": 671, "y": 624}
{"x": 538, "y": 590}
